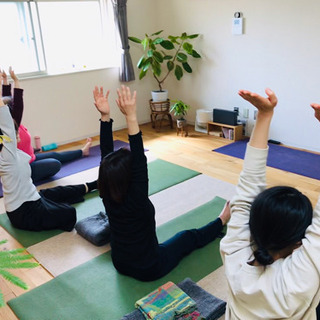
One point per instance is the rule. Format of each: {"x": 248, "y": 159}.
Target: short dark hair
{"x": 115, "y": 175}
{"x": 279, "y": 217}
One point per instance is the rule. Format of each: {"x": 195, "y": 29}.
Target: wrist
{"x": 105, "y": 117}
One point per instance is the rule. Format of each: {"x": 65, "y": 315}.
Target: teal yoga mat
{"x": 162, "y": 175}
{"x": 95, "y": 290}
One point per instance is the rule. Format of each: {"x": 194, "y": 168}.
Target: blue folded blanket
{"x": 95, "y": 229}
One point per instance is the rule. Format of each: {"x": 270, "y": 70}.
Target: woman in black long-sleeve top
{"x": 123, "y": 187}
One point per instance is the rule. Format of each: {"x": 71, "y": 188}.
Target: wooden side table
{"x": 162, "y": 110}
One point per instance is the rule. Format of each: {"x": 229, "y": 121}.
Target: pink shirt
{"x": 25, "y": 142}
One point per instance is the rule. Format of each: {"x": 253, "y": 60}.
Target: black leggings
{"x": 172, "y": 251}
{"x": 51, "y": 211}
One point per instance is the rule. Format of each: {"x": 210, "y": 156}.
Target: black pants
{"x": 51, "y": 211}
{"x": 172, "y": 251}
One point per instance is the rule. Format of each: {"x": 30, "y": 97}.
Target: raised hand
{"x": 4, "y": 78}
{"x": 316, "y": 108}
{"x": 127, "y": 102}
{"x": 261, "y": 103}
{"x": 102, "y": 103}
{"x": 14, "y": 78}
{"x": 127, "y": 105}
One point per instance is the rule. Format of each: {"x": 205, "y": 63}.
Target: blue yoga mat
{"x": 296, "y": 161}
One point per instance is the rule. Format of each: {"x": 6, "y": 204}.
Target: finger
{"x": 128, "y": 93}
{"x": 107, "y": 94}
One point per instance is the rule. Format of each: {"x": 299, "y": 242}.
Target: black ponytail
{"x": 279, "y": 217}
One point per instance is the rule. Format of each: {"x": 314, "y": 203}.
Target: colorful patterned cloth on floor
{"x": 166, "y": 303}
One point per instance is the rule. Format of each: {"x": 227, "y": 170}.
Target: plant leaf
{"x": 13, "y": 279}
{"x": 178, "y": 72}
{"x": 166, "y": 57}
{"x": 187, "y": 67}
{"x": 184, "y": 36}
{"x": 181, "y": 57}
{"x": 145, "y": 43}
{"x": 167, "y": 44}
{"x": 141, "y": 62}
{"x": 156, "y": 68}
{"x": 157, "y": 33}
{"x": 147, "y": 64}
{"x": 188, "y": 47}
{"x": 158, "y": 56}
{"x": 157, "y": 40}
{"x": 192, "y": 36}
{"x": 170, "y": 65}
{"x": 195, "y": 54}
{"x": 2, "y": 303}
{"x": 142, "y": 74}
{"x": 3, "y": 241}
{"x": 150, "y": 53}
{"x": 134, "y": 39}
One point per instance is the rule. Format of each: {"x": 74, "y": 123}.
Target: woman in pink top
{"x": 43, "y": 165}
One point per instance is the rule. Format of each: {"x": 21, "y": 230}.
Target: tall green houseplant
{"x": 165, "y": 55}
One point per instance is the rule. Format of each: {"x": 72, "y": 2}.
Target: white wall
{"x": 280, "y": 50}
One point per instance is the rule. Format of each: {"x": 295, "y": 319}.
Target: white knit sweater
{"x": 286, "y": 289}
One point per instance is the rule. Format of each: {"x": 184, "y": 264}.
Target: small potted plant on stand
{"x": 159, "y": 52}
{"x": 180, "y": 109}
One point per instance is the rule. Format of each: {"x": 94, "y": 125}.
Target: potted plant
{"x": 180, "y": 109}
{"x": 163, "y": 56}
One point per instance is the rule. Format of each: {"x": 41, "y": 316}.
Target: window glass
{"x": 17, "y": 39}
{"x": 57, "y": 36}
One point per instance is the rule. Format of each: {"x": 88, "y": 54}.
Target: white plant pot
{"x": 181, "y": 123}
{"x": 159, "y": 96}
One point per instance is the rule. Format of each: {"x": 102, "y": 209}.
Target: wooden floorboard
{"x": 194, "y": 152}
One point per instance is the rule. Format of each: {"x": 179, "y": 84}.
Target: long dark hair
{"x": 115, "y": 175}
{"x": 279, "y": 217}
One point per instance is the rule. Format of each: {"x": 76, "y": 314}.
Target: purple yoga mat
{"x": 81, "y": 164}
{"x": 296, "y": 161}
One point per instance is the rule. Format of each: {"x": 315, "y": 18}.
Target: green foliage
{"x": 170, "y": 54}
{"x": 179, "y": 108}
{"x": 14, "y": 259}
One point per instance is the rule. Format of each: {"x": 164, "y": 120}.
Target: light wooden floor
{"x": 194, "y": 152}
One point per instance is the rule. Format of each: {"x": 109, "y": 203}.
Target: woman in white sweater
{"x": 271, "y": 251}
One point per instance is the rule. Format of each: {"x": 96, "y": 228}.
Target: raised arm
{"x": 17, "y": 105}
{"x": 6, "y": 87}
{"x": 127, "y": 104}
{"x": 252, "y": 179}
{"x": 102, "y": 105}
{"x": 265, "y": 106}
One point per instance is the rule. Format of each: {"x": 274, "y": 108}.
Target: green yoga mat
{"x": 162, "y": 175}
{"x": 95, "y": 290}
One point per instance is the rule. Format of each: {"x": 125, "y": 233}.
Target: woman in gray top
{"x": 27, "y": 208}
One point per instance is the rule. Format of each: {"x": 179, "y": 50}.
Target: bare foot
{"x": 86, "y": 148}
{"x": 225, "y": 213}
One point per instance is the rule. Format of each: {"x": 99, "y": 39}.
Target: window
{"x": 56, "y": 36}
